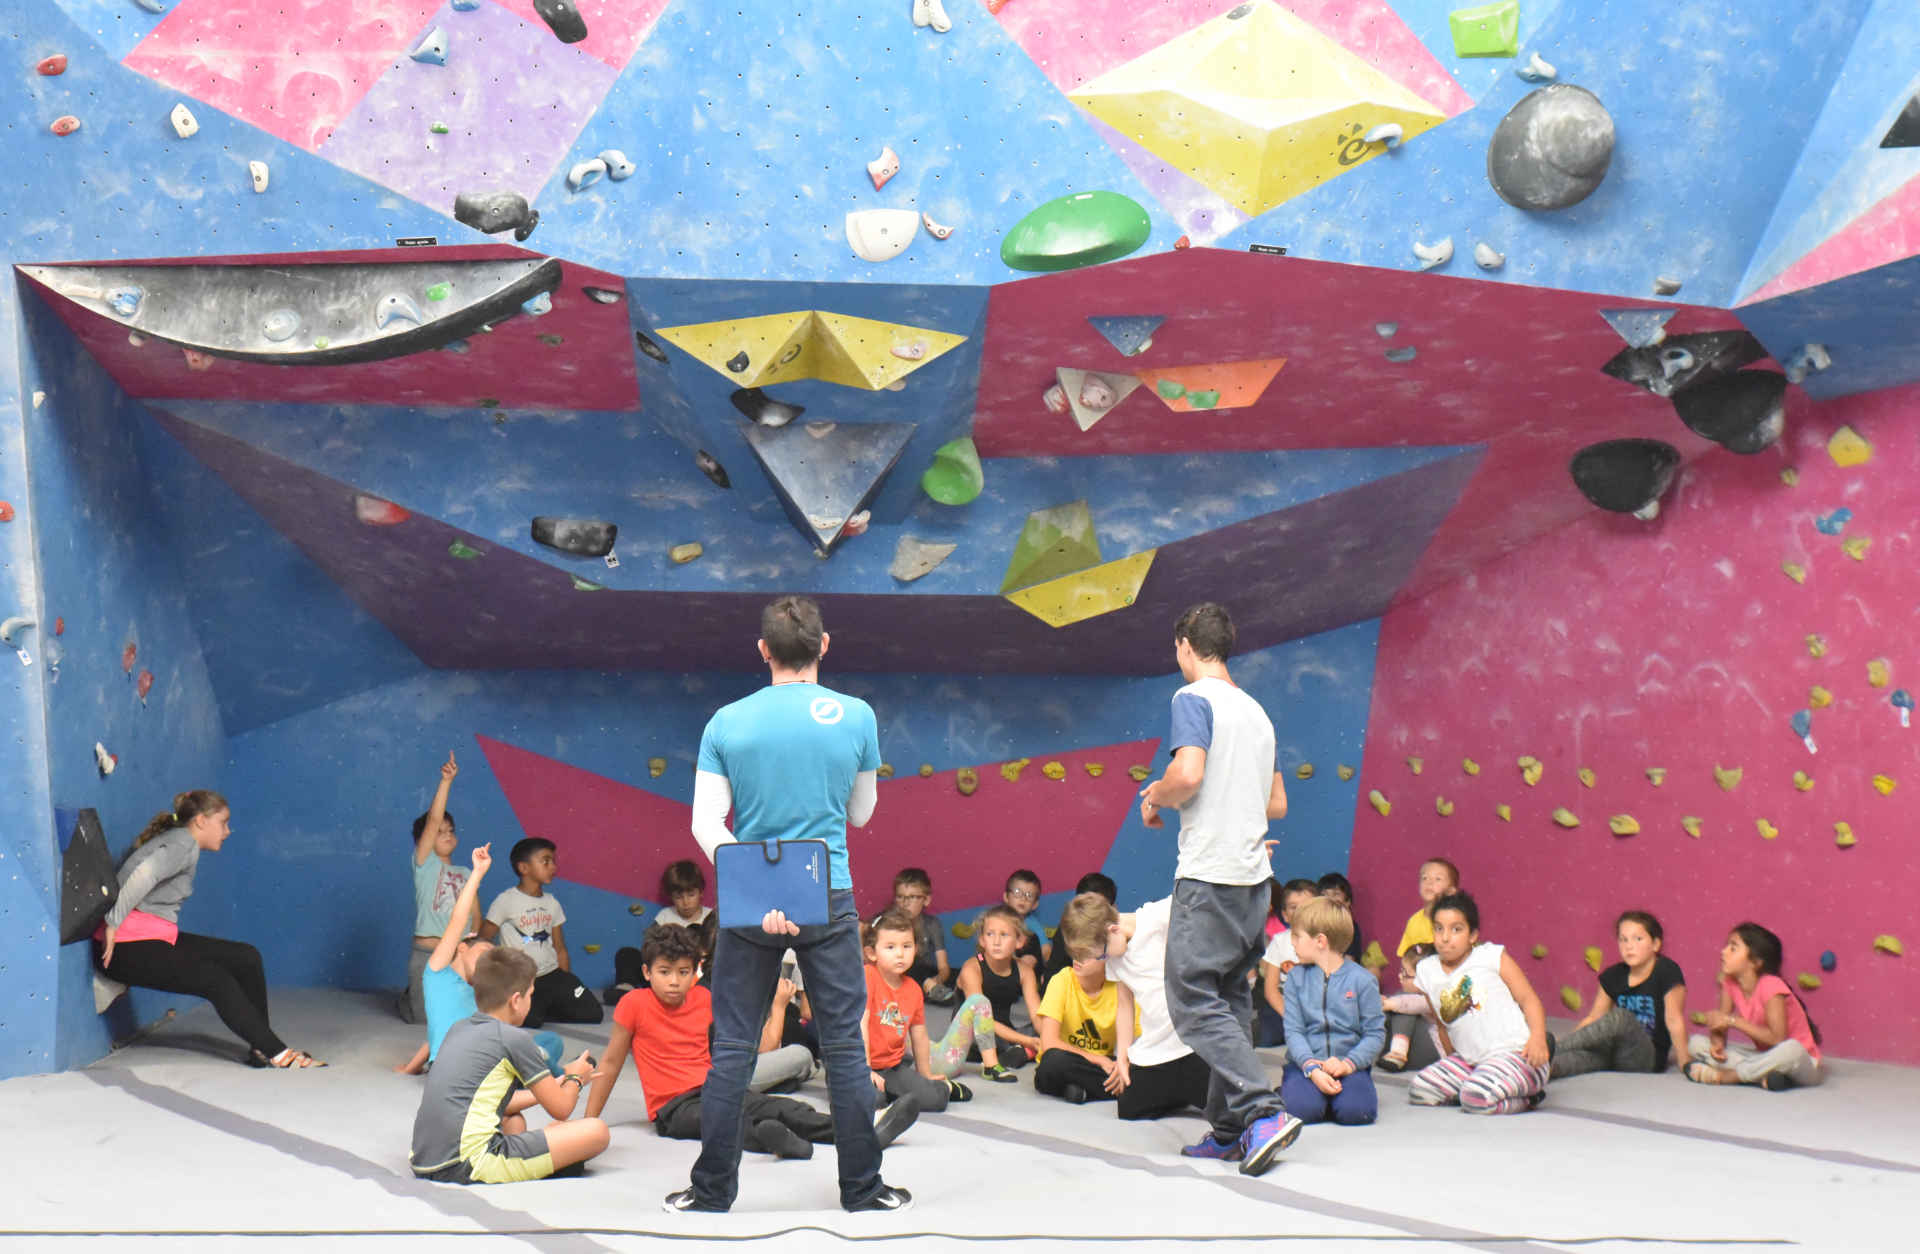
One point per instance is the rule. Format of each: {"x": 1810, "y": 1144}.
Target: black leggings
{"x": 560, "y": 997}
{"x": 227, "y": 973}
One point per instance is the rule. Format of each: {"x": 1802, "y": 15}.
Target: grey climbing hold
{"x": 280, "y": 325}
{"x": 465, "y": 6}
{"x": 459, "y": 347}
{"x": 563, "y": 19}
{"x": 1432, "y": 255}
{"x": 710, "y": 467}
{"x": 539, "y": 305}
{"x": 1905, "y": 131}
{"x": 763, "y": 409}
{"x": 581, "y": 537}
{"x": 493, "y": 212}
{"x": 738, "y": 362}
{"x": 1745, "y": 411}
{"x": 1805, "y": 360}
{"x": 432, "y": 50}
{"x": 152, "y": 6}
{"x": 1486, "y": 258}
{"x": 1625, "y": 476}
{"x": 586, "y": 173}
{"x": 914, "y": 558}
{"x": 396, "y": 307}
{"x": 1552, "y": 149}
{"x": 1403, "y": 352}
{"x": 604, "y": 295}
{"x": 1537, "y": 70}
{"x": 1664, "y": 286}
{"x": 1642, "y": 328}
{"x": 646, "y": 345}
{"x": 1680, "y": 361}
{"x": 618, "y": 167}
{"x": 1385, "y": 330}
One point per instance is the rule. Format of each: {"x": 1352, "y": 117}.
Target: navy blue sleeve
{"x": 1192, "y": 722}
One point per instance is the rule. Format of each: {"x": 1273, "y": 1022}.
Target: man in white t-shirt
{"x": 1223, "y": 783}
{"x": 1162, "y": 1075}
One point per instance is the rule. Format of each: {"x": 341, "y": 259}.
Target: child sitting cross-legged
{"x": 470, "y": 1129}
{"x": 1006, "y": 980}
{"x": 528, "y": 918}
{"x": 668, "y": 1028}
{"x": 1080, "y": 1011}
{"x": 1335, "y": 1027}
{"x": 1493, "y": 1028}
{"x": 903, "y": 1061}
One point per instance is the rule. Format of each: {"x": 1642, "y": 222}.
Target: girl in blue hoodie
{"x": 1335, "y": 1025}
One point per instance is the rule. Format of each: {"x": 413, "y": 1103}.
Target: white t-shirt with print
{"x": 1474, "y": 1004}
{"x": 527, "y": 924}
{"x": 1143, "y": 969}
{"x": 1224, "y": 825}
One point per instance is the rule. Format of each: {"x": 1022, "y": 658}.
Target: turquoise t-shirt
{"x": 790, "y": 752}
{"x": 449, "y": 1000}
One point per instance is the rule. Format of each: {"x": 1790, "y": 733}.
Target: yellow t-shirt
{"x": 1087, "y": 1020}
{"x": 1419, "y": 932}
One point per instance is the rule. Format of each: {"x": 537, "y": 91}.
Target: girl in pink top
{"x": 1756, "y": 1002}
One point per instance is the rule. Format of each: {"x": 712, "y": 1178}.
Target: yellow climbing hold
{"x": 1767, "y": 830}
{"x": 1443, "y": 806}
{"x": 1054, "y": 770}
{"x": 1698, "y": 1018}
{"x": 1587, "y": 776}
{"x": 1884, "y": 785}
{"x": 1847, "y": 448}
{"x": 636, "y": 909}
{"x": 1416, "y": 765}
{"x": 656, "y": 767}
{"x": 1807, "y": 980}
{"x": 1816, "y": 644}
{"x": 1879, "y": 673}
{"x": 1691, "y": 824}
{"x": 1794, "y": 571}
{"x": 1539, "y": 951}
{"x": 1344, "y": 771}
{"x": 1094, "y": 769}
{"x": 1887, "y": 944}
{"x": 1139, "y": 773}
{"x": 1503, "y": 812}
{"x": 1379, "y": 802}
{"x": 1728, "y": 777}
{"x": 1303, "y": 771}
{"x": 885, "y": 771}
{"x": 1594, "y": 956}
{"x": 681, "y": 554}
{"x": 1855, "y": 547}
{"x": 1569, "y": 997}
{"x": 966, "y": 779}
{"x": 1624, "y": 825}
{"x": 1658, "y": 774}
{"x": 1789, "y": 476}
{"x": 1843, "y": 835}
{"x": 1010, "y": 771}
{"x": 926, "y": 770}
{"x": 1530, "y": 769}
{"x": 1469, "y": 766}
{"x": 592, "y": 949}
{"x": 1819, "y": 698}
{"x": 1373, "y": 958}
{"x": 1802, "y": 782}
{"x": 963, "y": 930}
{"x": 1565, "y": 817}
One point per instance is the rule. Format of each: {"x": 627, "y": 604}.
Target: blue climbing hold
{"x": 540, "y": 304}
{"x": 465, "y": 6}
{"x": 432, "y": 49}
{"x": 1828, "y": 962}
{"x": 396, "y": 307}
{"x": 1130, "y": 334}
{"x": 126, "y": 300}
{"x": 1835, "y": 523}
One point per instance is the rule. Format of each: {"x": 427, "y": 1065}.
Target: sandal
{"x": 1703, "y": 1073}
{"x": 293, "y": 1058}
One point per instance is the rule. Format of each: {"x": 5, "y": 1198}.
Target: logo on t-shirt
{"x": 893, "y": 1017}
{"x": 826, "y": 711}
{"x": 1457, "y": 1000}
{"x": 1087, "y": 1036}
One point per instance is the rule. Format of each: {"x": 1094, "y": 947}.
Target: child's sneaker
{"x": 1207, "y": 1147}
{"x": 1392, "y": 1062}
{"x": 1263, "y": 1140}
{"x": 958, "y": 1092}
{"x": 999, "y": 1074}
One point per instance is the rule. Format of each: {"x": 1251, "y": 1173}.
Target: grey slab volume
{"x": 826, "y": 472}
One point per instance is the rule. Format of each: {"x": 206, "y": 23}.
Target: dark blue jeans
{"x": 1356, "y": 1103}
{"x": 746, "y": 966}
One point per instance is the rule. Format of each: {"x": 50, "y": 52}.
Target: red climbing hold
{"x": 1183, "y": 242}
{"x": 127, "y": 655}
{"x": 59, "y": 626}
{"x": 143, "y": 685}
{"x": 6, "y": 512}
{"x": 55, "y": 64}
{"x": 65, "y": 124}
{"x": 375, "y": 512}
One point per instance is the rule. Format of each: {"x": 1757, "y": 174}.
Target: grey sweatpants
{"x": 1616, "y": 1041}
{"x": 1214, "y": 938}
{"x": 1789, "y": 1058}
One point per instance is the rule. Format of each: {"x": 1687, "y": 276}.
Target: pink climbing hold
{"x": 938, "y": 230}
{"x": 1056, "y": 399}
{"x": 127, "y": 655}
{"x": 197, "y": 360}
{"x": 375, "y": 512}
{"x": 883, "y": 167}
{"x": 1183, "y": 242}
{"x": 143, "y": 685}
{"x": 65, "y": 124}
{"x": 55, "y": 64}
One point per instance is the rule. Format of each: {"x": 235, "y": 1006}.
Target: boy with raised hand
{"x": 1158, "y": 1074}
{"x": 470, "y": 1129}
{"x": 436, "y": 883}
{"x": 1079, "y": 1012}
{"x": 668, "y": 1028}
{"x": 1336, "y": 1027}
{"x": 528, "y": 918}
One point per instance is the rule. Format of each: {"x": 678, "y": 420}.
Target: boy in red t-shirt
{"x": 668, "y": 1028}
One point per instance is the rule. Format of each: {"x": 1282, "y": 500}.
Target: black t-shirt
{"x": 1030, "y": 948}
{"x": 1647, "y": 1000}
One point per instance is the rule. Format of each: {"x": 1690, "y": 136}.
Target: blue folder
{"x": 785, "y": 875}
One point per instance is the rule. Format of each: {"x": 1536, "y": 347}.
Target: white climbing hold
{"x": 1664, "y": 286}
{"x": 586, "y": 173}
{"x": 934, "y": 228}
{"x": 433, "y": 49}
{"x": 1674, "y": 360}
{"x": 1805, "y": 360}
{"x": 1432, "y": 255}
{"x": 184, "y": 123}
{"x": 280, "y": 325}
{"x": 1537, "y": 70}
{"x": 1385, "y": 330}
{"x": 857, "y": 525}
{"x": 1387, "y": 133}
{"x": 396, "y": 307}
{"x": 932, "y": 13}
{"x": 914, "y": 558}
{"x": 912, "y": 351}
{"x": 257, "y": 170}
{"x": 618, "y": 167}
{"x": 39, "y": 399}
{"x": 1486, "y": 258}
{"x": 1649, "y": 511}
{"x": 883, "y": 167}
{"x": 104, "y": 760}
{"x": 821, "y": 430}
{"x": 881, "y": 234}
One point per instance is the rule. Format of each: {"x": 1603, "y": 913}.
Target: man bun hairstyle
{"x": 1209, "y": 629}
{"x": 793, "y": 631}
{"x": 498, "y": 974}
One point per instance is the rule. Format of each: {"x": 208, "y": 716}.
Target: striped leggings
{"x": 1501, "y": 1085}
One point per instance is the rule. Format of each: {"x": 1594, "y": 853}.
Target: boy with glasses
{"x": 1079, "y": 1013}
{"x": 1022, "y": 896}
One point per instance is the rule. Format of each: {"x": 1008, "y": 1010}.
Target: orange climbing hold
{"x": 6, "y": 512}
{"x": 55, "y": 64}
{"x": 1214, "y": 385}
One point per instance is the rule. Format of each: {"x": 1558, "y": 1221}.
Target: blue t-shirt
{"x": 790, "y": 752}
{"x": 449, "y": 1000}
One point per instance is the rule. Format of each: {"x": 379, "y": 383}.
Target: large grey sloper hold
{"x": 493, "y": 212}
{"x": 1625, "y": 476}
{"x": 1680, "y": 361}
{"x": 1744, "y": 412}
{"x": 1552, "y": 149}
{"x": 582, "y": 537}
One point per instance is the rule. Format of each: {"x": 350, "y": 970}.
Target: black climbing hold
{"x": 1745, "y": 411}
{"x": 1905, "y": 131}
{"x": 738, "y": 362}
{"x": 582, "y": 537}
{"x": 764, "y": 410}
{"x": 493, "y": 212}
{"x": 646, "y": 345}
{"x": 1552, "y": 149}
{"x": 1238, "y": 11}
{"x": 1680, "y": 361}
{"x": 1624, "y": 476}
{"x": 710, "y": 467}
{"x": 565, "y": 20}
{"x": 88, "y": 883}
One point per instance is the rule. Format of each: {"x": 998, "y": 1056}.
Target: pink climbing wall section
{"x": 1620, "y": 646}
{"x": 1887, "y": 232}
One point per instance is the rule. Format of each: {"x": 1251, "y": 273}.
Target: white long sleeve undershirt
{"x": 713, "y": 798}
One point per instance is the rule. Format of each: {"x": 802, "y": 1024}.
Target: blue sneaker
{"x": 1207, "y": 1147}
{"x": 1263, "y": 1140}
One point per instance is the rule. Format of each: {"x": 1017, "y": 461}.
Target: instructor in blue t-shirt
{"x": 794, "y": 761}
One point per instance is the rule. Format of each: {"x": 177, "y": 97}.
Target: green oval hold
{"x": 1083, "y": 229}
{"x": 955, "y": 478}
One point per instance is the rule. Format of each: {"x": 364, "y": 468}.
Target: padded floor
{"x": 171, "y": 1140}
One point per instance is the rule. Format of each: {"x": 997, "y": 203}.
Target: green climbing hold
{"x": 438, "y": 128}
{"x": 586, "y": 585}
{"x": 1487, "y": 30}
{"x": 1083, "y": 229}
{"x": 1055, "y": 542}
{"x": 440, "y": 291}
{"x": 1171, "y": 390}
{"x": 321, "y": 341}
{"x": 955, "y": 478}
{"x": 1204, "y": 400}
{"x": 465, "y": 552}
